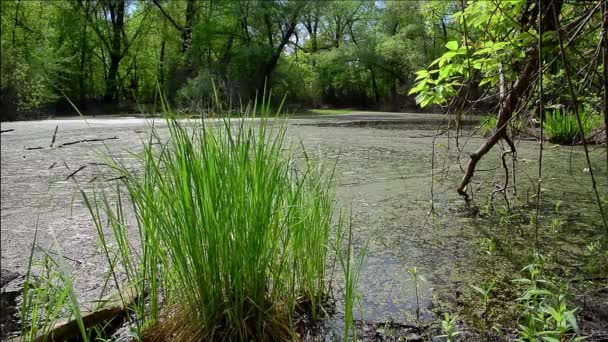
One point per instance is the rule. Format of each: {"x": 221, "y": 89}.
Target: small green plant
{"x": 556, "y": 226}
{"x": 544, "y": 308}
{"x": 44, "y": 299}
{"x": 417, "y": 279}
{"x": 448, "y": 326}
{"x": 485, "y": 290}
{"x": 351, "y": 266}
{"x": 562, "y": 127}
{"x": 47, "y": 296}
{"x": 487, "y": 125}
{"x": 489, "y": 248}
{"x": 597, "y": 259}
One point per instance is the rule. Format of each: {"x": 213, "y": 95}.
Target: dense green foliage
{"x": 342, "y": 53}
{"x": 498, "y": 38}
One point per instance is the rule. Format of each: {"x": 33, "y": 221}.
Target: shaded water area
{"x": 384, "y": 165}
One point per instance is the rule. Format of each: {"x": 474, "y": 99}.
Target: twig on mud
{"x": 52, "y": 165}
{"x": 71, "y": 142}
{"x": 83, "y": 167}
{"x": 66, "y": 257}
{"x": 7, "y": 130}
{"x": 75, "y": 172}
{"x": 116, "y": 178}
{"x": 86, "y": 140}
{"x": 54, "y": 136}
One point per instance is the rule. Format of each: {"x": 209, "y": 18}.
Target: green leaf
{"x": 452, "y": 45}
{"x": 425, "y": 102}
{"x": 446, "y": 70}
{"x": 571, "y": 318}
{"x": 418, "y": 88}
{"x": 478, "y": 289}
{"x": 422, "y": 74}
{"x": 550, "y": 339}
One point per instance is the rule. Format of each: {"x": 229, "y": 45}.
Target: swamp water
{"x": 384, "y": 171}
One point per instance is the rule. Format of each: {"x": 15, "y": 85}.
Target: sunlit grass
{"x": 234, "y": 231}
{"x": 562, "y": 127}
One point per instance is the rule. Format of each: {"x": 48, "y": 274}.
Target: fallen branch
{"x": 86, "y": 140}
{"x": 7, "y": 130}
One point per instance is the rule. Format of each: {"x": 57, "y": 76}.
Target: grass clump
{"x": 234, "y": 232}
{"x": 562, "y": 127}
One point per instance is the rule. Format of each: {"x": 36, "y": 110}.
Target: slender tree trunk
{"x": 117, "y": 15}
{"x": 187, "y": 29}
{"x": 14, "y": 40}
{"x": 605, "y": 38}
{"x": 82, "y": 75}
{"x": 374, "y": 85}
{"x": 112, "y": 80}
{"x": 161, "y": 65}
{"x": 209, "y": 15}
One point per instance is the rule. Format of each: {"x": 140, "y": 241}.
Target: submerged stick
{"x": 86, "y": 140}
{"x": 54, "y": 136}
{"x": 75, "y": 172}
{"x": 71, "y": 142}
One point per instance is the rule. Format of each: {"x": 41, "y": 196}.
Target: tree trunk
{"x": 117, "y": 15}
{"x": 82, "y": 75}
{"x": 265, "y": 71}
{"x": 605, "y": 38}
{"x": 161, "y": 65}
{"x": 374, "y": 85}
{"x": 112, "y": 80}
{"x": 14, "y": 40}
{"x": 187, "y": 30}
